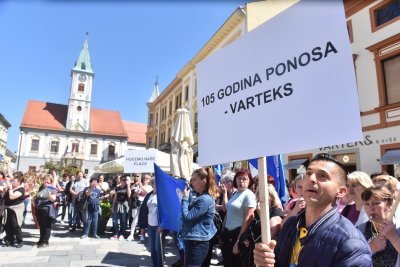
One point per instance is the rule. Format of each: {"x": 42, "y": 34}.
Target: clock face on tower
{"x": 82, "y": 78}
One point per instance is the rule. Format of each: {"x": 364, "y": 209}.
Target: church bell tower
{"x": 80, "y": 96}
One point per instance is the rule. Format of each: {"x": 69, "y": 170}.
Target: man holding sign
{"x": 318, "y": 236}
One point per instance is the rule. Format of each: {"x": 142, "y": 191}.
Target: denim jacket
{"x": 198, "y": 218}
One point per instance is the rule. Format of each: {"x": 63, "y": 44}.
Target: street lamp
{"x": 19, "y": 149}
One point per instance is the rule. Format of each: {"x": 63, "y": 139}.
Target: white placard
{"x": 288, "y": 85}
{"x": 139, "y": 161}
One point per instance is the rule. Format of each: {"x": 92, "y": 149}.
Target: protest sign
{"x": 139, "y": 161}
{"x": 286, "y": 86}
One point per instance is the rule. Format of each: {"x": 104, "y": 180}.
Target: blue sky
{"x": 130, "y": 43}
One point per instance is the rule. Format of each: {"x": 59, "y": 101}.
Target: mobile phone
{"x": 188, "y": 187}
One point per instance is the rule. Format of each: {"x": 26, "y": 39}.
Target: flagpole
{"x": 161, "y": 244}
{"x": 264, "y": 200}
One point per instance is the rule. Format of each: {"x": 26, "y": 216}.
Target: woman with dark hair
{"x": 239, "y": 215}
{"x": 198, "y": 216}
{"x": 143, "y": 212}
{"x": 45, "y": 210}
{"x": 14, "y": 208}
{"x": 120, "y": 207}
{"x": 3, "y": 187}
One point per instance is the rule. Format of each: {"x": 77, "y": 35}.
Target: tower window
{"x": 81, "y": 87}
{"x": 79, "y": 108}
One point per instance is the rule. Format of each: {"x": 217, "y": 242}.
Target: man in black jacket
{"x": 318, "y": 236}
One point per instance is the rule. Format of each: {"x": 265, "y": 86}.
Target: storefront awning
{"x": 294, "y": 164}
{"x": 390, "y": 157}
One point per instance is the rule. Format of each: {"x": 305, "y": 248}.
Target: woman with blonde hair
{"x": 45, "y": 210}
{"x": 380, "y": 231}
{"x": 357, "y": 183}
{"x": 198, "y": 216}
{"x": 387, "y": 181}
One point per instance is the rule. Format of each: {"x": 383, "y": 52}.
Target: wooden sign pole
{"x": 264, "y": 200}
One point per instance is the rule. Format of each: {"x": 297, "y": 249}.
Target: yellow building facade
{"x": 182, "y": 91}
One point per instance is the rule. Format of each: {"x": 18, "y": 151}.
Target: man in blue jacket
{"x": 319, "y": 235}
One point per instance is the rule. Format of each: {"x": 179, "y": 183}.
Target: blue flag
{"x": 169, "y": 195}
{"x": 275, "y": 169}
{"x": 218, "y": 172}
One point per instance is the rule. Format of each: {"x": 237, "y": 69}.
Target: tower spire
{"x": 156, "y": 92}
{"x": 83, "y": 63}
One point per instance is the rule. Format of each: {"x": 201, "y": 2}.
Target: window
{"x": 151, "y": 120}
{"x": 75, "y": 147}
{"x": 170, "y": 108}
{"x": 150, "y": 142}
{"x": 81, "y": 87}
{"x": 195, "y": 123}
{"x": 186, "y": 92}
{"x": 54, "y": 146}
{"x": 163, "y": 113}
{"x": 111, "y": 150}
{"x": 93, "y": 149}
{"x": 162, "y": 140}
{"x": 350, "y": 30}
{"x": 156, "y": 118}
{"x": 35, "y": 145}
{"x": 195, "y": 87}
{"x": 387, "y": 64}
{"x": 384, "y": 13}
{"x": 178, "y": 100}
{"x": 391, "y": 72}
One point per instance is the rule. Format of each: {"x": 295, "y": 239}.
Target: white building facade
{"x": 75, "y": 134}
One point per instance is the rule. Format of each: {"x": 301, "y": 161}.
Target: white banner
{"x": 287, "y": 86}
{"x": 139, "y": 161}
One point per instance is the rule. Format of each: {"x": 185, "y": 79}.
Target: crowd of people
{"x": 331, "y": 218}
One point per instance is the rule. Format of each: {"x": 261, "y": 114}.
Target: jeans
{"x": 180, "y": 244}
{"x": 70, "y": 214}
{"x": 26, "y": 202}
{"x": 122, "y": 216}
{"x": 92, "y": 220}
{"x": 76, "y": 216}
{"x": 155, "y": 246}
{"x": 195, "y": 252}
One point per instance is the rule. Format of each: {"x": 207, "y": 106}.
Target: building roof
{"x": 84, "y": 63}
{"x": 5, "y": 122}
{"x": 51, "y": 116}
{"x": 11, "y": 155}
{"x": 136, "y": 132}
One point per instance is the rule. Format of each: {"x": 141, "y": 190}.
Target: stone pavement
{"x": 68, "y": 250}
